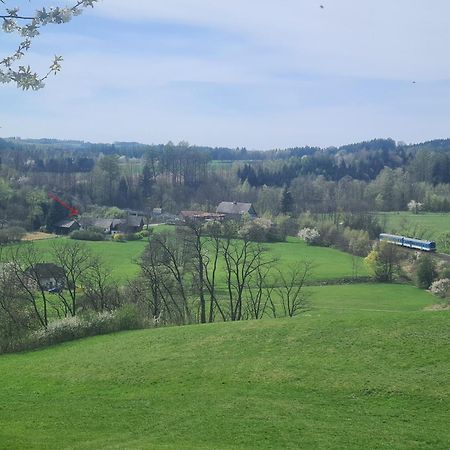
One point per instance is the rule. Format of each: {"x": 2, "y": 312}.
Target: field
{"x": 343, "y": 375}
{"x": 329, "y": 263}
{"x": 423, "y": 225}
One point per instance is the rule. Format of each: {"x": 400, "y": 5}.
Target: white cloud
{"x": 401, "y": 39}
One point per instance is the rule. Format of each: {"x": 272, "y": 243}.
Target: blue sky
{"x": 257, "y": 73}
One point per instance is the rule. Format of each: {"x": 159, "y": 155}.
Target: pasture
{"x": 342, "y": 375}
{"x": 328, "y": 263}
{"x": 423, "y": 225}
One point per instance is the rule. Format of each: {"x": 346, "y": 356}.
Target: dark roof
{"x": 115, "y": 222}
{"x": 235, "y": 208}
{"x": 95, "y": 222}
{"x": 134, "y": 221}
{"x": 66, "y": 223}
{"x": 46, "y": 270}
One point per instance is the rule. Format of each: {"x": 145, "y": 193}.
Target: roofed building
{"x": 66, "y": 226}
{"x": 48, "y": 275}
{"x": 236, "y": 210}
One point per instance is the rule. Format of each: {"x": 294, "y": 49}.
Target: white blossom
{"x": 27, "y": 27}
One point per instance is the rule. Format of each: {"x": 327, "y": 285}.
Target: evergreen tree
{"x": 287, "y": 201}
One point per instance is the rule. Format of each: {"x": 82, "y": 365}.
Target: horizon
{"x": 191, "y": 144}
{"x": 259, "y": 75}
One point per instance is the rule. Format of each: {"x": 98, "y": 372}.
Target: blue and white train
{"x": 427, "y": 246}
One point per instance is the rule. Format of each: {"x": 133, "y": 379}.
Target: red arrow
{"x": 73, "y": 211}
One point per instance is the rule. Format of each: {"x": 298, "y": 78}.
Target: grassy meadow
{"x": 423, "y": 225}
{"x": 329, "y": 263}
{"x": 345, "y": 375}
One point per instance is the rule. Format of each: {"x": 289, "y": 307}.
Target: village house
{"x": 66, "y": 226}
{"x": 236, "y": 210}
{"x": 48, "y": 275}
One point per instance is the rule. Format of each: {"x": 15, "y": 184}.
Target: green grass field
{"x": 426, "y": 225}
{"x": 365, "y": 368}
{"x": 329, "y": 263}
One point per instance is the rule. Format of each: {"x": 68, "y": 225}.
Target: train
{"x": 403, "y": 241}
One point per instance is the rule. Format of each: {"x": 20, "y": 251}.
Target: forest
{"x": 380, "y": 175}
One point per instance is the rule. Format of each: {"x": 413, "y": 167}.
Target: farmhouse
{"x": 48, "y": 275}
{"x": 66, "y": 226}
{"x": 236, "y": 210}
{"x": 132, "y": 224}
{"x": 105, "y": 225}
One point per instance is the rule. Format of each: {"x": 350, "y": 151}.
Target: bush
{"x": 145, "y": 233}
{"x": 11, "y": 234}
{"x": 87, "y": 235}
{"x": 441, "y": 288}
{"x": 71, "y": 328}
{"x": 133, "y": 237}
{"x": 425, "y": 271}
{"x": 118, "y": 237}
{"x": 261, "y": 230}
{"x": 310, "y": 235}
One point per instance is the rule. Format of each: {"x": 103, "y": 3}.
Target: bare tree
{"x": 291, "y": 289}
{"x": 166, "y": 264}
{"x": 15, "y": 318}
{"x": 76, "y": 261}
{"x": 259, "y": 292}
{"x": 27, "y": 281}
{"x": 242, "y": 258}
{"x": 101, "y": 292}
{"x": 210, "y": 261}
{"x": 195, "y": 237}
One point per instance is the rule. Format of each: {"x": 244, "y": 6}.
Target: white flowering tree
{"x": 441, "y": 288}
{"x": 27, "y": 26}
{"x": 309, "y": 235}
{"x": 415, "y": 207}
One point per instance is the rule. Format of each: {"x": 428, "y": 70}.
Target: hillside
{"x": 341, "y": 376}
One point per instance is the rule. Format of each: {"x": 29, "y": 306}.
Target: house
{"x": 48, "y": 275}
{"x": 132, "y": 224}
{"x": 201, "y": 216}
{"x": 105, "y": 225}
{"x": 66, "y": 226}
{"x": 236, "y": 210}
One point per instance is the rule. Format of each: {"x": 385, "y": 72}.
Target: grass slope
{"x": 329, "y": 263}
{"x": 430, "y": 225}
{"x": 330, "y": 379}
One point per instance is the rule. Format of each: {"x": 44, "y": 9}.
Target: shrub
{"x": 425, "y": 271}
{"x": 310, "y": 235}
{"x": 118, "y": 237}
{"x": 129, "y": 318}
{"x": 145, "y": 233}
{"x": 261, "y": 230}
{"x": 71, "y": 328}
{"x": 87, "y": 235}
{"x": 11, "y": 234}
{"x": 441, "y": 288}
{"x": 133, "y": 237}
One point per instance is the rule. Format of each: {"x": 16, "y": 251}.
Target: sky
{"x": 259, "y": 74}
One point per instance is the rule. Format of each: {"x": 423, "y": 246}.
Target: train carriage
{"x": 403, "y": 241}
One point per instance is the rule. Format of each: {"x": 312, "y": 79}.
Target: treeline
{"x": 379, "y": 175}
